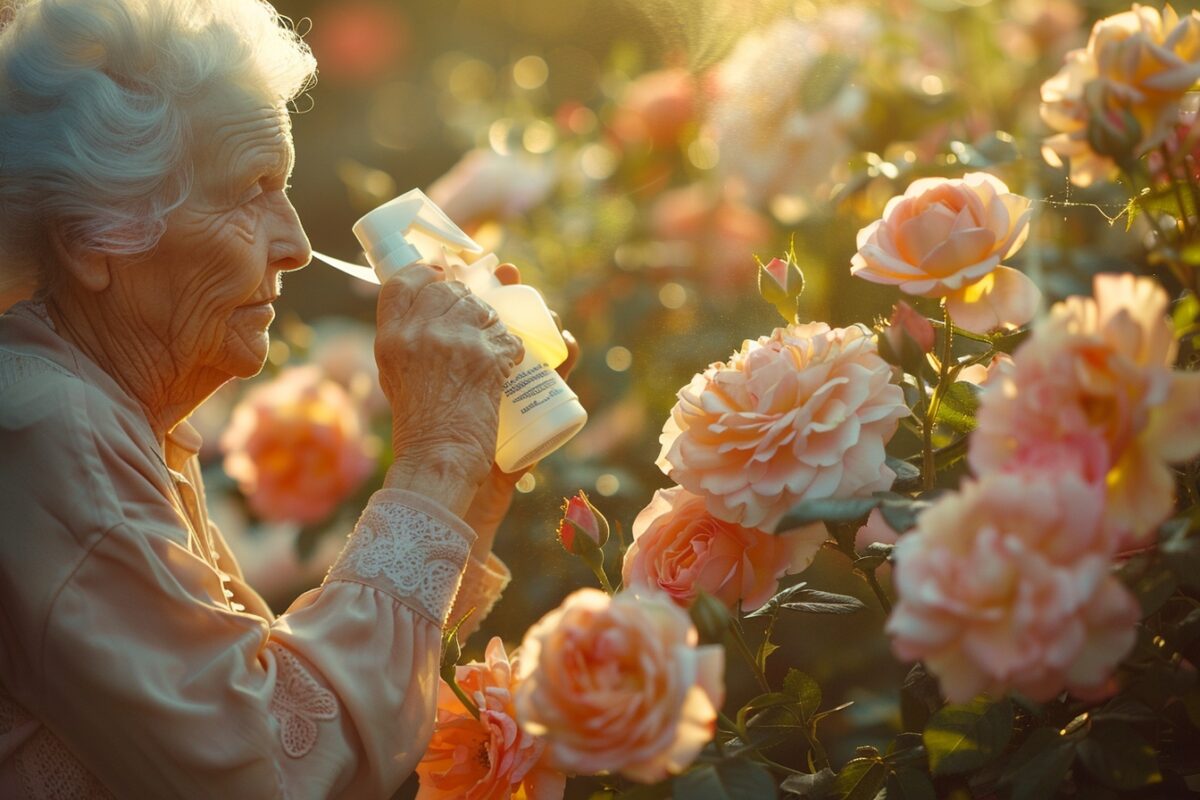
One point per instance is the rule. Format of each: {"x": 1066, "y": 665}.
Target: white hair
{"x": 95, "y": 113}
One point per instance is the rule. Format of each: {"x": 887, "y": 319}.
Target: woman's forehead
{"x": 235, "y": 132}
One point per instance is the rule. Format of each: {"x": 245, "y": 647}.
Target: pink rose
{"x": 655, "y": 108}
{"x": 1094, "y": 387}
{"x": 1138, "y": 63}
{"x": 946, "y": 238}
{"x": 711, "y": 230}
{"x": 581, "y": 517}
{"x": 1008, "y": 584}
{"x": 679, "y": 547}
{"x": 490, "y": 758}
{"x": 487, "y": 185}
{"x": 619, "y": 684}
{"x": 802, "y": 413}
{"x": 296, "y": 446}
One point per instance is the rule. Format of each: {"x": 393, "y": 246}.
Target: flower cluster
{"x": 1120, "y": 96}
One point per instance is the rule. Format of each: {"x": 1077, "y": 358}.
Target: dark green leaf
{"x": 1182, "y": 551}
{"x": 900, "y": 512}
{"x": 1123, "y": 708}
{"x": 1039, "y": 766}
{"x": 816, "y": 786}
{"x": 960, "y": 403}
{"x": 919, "y": 698}
{"x": 1119, "y": 757}
{"x": 861, "y": 779}
{"x": 1009, "y": 342}
{"x": 1152, "y": 583}
{"x": 960, "y": 738}
{"x": 907, "y": 475}
{"x": 804, "y": 690}
{"x": 815, "y": 601}
{"x": 801, "y": 598}
{"x": 907, "y": 749}
{"x": 735, "y": 779}
{"x": 909, "y": 784}
{"x": 827, "y": 509}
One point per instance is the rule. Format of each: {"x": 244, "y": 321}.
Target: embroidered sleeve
{"x": 298, "y": 703}
{"x": 403, "y": 546}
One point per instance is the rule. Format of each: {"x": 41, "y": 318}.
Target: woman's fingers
{"x": 396, "y": 296}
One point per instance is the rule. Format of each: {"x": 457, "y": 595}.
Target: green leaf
{"x": 1039, "y": 766}
{"x": 901, "y": 512}
{"x": 815, "y": 601}
{"x": 907, "y": 475}
{"x": 1119, "y": 757}
{"x": 909, "y": 784}
{"x": 801, "y": 598}
{"x": 824, "y": 80}
{"x": 1152, "y": 582}
{"x": 861, "y": 779}
{"x": 827, "y": 509}
{"x": 960, "y": 404}
{"x": 961, "y": 738}
{"x": 919, "y": 698}
{"x": 734, "y": 779}
{"x": 1009, "y": 342}
{"x": 1160, "y": 201}
{"x": 805, "y": 690}
{"x": 816, "y": 786}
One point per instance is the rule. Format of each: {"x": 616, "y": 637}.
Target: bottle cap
{"x": 383, "y": 233}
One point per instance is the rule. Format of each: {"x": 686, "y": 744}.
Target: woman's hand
{"x": 492, "y": 500}
{"x": 443, "y": 357}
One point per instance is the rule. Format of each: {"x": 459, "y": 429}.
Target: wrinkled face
{"x": 205, "y": 291}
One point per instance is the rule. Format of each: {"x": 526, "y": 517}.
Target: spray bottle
{"x": 538, "y": 411}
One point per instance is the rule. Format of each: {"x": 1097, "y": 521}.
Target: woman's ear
{"x": 88, "y": 267}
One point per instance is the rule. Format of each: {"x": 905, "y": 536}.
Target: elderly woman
{"x": 144, "y": 159}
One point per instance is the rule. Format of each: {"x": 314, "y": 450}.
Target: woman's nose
{"x": 290, "y": 248}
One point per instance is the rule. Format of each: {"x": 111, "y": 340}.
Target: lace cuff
{"x": 410, "y": 548}
{"x": 481, "y": 587}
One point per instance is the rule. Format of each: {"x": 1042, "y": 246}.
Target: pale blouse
{"x": 135, "y": 661}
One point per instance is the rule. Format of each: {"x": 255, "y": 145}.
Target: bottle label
{"x": 532, "y": 385}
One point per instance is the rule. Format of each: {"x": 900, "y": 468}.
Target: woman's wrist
{"x": 441, "y": 478}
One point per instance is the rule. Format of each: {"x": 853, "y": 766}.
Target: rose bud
{"x": 906, "y": 339}
{"x": 581, "y": 517}
{"x": 1112, "y": 130}
{"x": 780, "y": 282}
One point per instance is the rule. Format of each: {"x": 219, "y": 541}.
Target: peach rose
{"x": 619, "y": 684}
{"x": 711, "y": 230}
{"x": 946, "y": 238}
{"x": 802, "y": 413}
{"x": 489, "y": 758}
{"x": 1095, "y": 379}
{"x": 655, "y": 108}
{"x": 772, "y": 136}
{"x": 296, "y": 446}
{"x": 1132, "y": 75}
{"x": 1007, "y": 584}
{"x": 679, "y": 547}
{"x": 487, "y": 185}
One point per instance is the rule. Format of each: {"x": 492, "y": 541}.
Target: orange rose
{"x": 489, "y": 758}
{"x": 679, "y": 547}
{"x": 619, "y": 684}
{"x": 296, "y": 446}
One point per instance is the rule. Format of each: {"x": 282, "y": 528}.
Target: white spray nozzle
{"x": 384, "y": 232}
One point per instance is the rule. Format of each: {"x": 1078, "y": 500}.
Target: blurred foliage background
{"x": 633, "y": 158}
